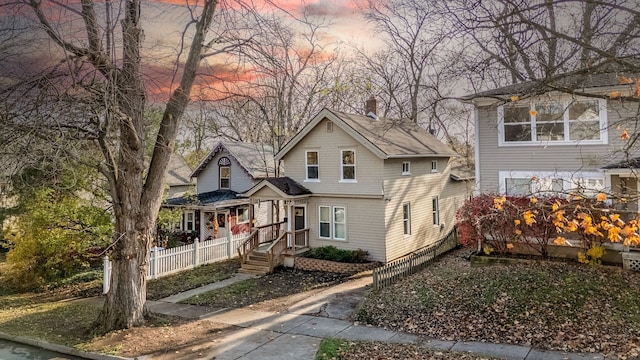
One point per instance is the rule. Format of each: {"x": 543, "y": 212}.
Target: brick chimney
{"x": 371, "y": 106}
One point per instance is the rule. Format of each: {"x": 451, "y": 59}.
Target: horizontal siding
{"x": 208, "y": 179}
{"x": 548, "y": 158}
{"x": 329, "y": 146}
{"x": 419, "y": 191}
{"x": 365, "y": 225}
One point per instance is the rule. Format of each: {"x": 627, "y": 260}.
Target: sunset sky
{"x": 165, "y": 21}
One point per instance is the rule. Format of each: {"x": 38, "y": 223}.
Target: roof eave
{"x": 414, "y": 156}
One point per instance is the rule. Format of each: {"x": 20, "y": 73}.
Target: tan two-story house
{"x": 365, "y": 182}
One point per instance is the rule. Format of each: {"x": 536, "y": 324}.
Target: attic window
{"x": 329, "y": 126}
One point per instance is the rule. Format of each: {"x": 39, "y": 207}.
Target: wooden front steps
{"x": 257, "y": 263}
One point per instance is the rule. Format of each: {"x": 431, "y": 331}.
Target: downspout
{"x": 476, "y": 134}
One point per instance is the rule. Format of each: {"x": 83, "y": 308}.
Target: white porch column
{"x": 289, "y": 223}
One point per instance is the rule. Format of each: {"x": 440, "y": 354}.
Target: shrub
{"x": 332, "y": 253}
{"x": 536, "y": 222}
{"x": 55, "y": 237}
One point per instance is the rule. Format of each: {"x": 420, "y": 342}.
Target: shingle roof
{"x": 460, "y": 172}
{"x": 384, "y": 137}
{"x": 574, "y": 82}
{"x": 256, "y": 159}
{"x": 625, "y": 164}
{"x": 206, "y": 198}
{"x": 179, "y": 172}
{"x": 396, "y": 138}
{"x": 288, "y": 186}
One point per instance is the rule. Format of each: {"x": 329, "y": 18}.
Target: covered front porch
{"x": 270, "y": 245}
{"x": 622, "y": 180}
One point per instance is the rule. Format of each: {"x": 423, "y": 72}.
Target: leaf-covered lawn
{"x": 550, "y": 305}
{"x": 280, "y": 284}
{"x": 191, "y": 279}
{"x": 332, "y": 349}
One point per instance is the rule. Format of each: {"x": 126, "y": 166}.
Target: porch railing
{"x": 250, "y": 242}
{"x": 260, "y": 235}
{"x": 300, "y": 238}
{"x": 275, "y": 250}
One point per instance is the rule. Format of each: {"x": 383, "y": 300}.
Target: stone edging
{"x": 310, "y": 264}
{"x": 59, "y": 348}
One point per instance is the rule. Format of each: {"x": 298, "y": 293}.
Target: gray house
{"x": 364, "y": 182}
{"x": 215, "y": 209}
{"x": 533, "y": 139}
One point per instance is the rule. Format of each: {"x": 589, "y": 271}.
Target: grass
{"x": 282, "y": 283}
{"x": 330, "y": 348}
{"x": 59, "y": 316}
{"x": 187, "y": 280}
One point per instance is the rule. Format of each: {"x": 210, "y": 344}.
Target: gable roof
{"x": 576, "y": 82}
{"x": 255, "y": 158}
{"x": 179, "y": 172}
{"x": 384, "y": 137}
{"x": 284, "y": 186}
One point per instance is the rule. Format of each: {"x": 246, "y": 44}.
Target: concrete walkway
{"x": 296, "y": 333}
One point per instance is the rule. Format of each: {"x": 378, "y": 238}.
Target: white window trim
{"x": 320, "y": 222}
{"x": 435, "y": 211}
{"x": 604, "y": 136}
{"x": 408, "y": 172}
{"x": 569, "y": 178}
{"x": 434, "y": 169}
{"x": 355, "y": 170}
{"x": 332, "y": 223}
{"x": 220, "y": 177}
{"x": 238, "y": 215}
{"x": 407, "y": 220}
{"x": 186, "y": 220}
{"x": 306, "y": 166}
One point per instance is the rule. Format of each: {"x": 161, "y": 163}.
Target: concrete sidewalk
{"x": 297, "y": 333}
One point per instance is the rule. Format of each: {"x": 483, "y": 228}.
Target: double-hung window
{"x": 406, "y": 218}
{"x": 554, "y": 122}
{"x": 225, "y": 177}
{"x": 312, "y": 165}
{"x": 549, "y": 183}
{"x": 435, "y": 210}
{"x": 348, "y": 165}
{"x": 406, "y": 168}
{"x": 332, "y": 222}
{"x": 189, "y": 221}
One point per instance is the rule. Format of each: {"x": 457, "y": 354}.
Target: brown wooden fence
{"x": 391, "y": 272}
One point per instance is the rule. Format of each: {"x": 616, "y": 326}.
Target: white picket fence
{"x": 169, "y": 261}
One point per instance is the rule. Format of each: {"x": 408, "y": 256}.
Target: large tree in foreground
{"x": 94, "y": 92}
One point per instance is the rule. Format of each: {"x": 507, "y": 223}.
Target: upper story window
{"x": 224, "y": 171}
{"x": 312, "y": 165}
{"x": 348, "y": 165}
{"x": 555, "y": 122}
{"x": 406, "y": 168}
{"x": 434, "y": 166}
